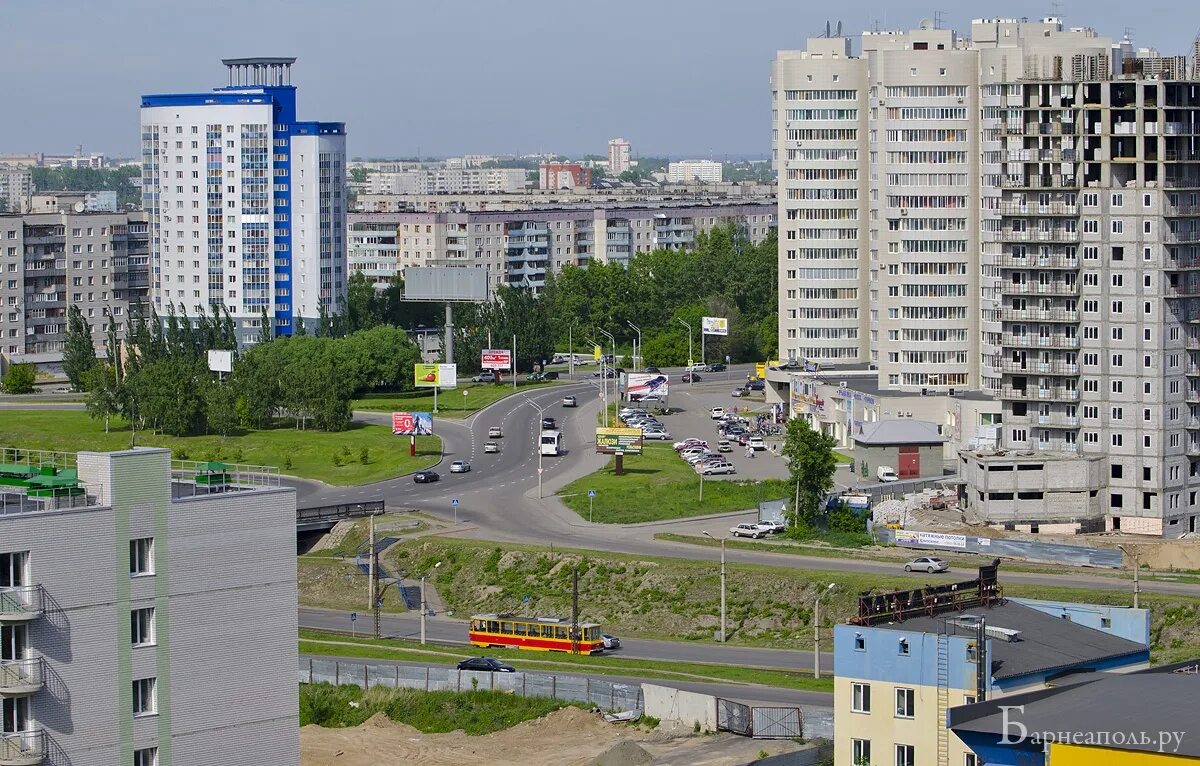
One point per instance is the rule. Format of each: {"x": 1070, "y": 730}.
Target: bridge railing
{"x": 321, "y": 513}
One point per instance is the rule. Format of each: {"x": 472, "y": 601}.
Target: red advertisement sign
{"x": 496, "y": 359}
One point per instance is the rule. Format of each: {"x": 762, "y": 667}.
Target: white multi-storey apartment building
{"x": 687, "y": 171}
{"x": 618, "y": 156}
{"x": 246, "y": 203}
{"x": 447, "y": 180}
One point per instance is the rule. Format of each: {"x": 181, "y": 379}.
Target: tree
{"x": 362, "y": 303}
{"x": 79, "y": 355}
{"x": 20, "y": 379}
{"x": 104, "y": 393}
{"x": 220, "y": 407}
{"x": 811, "y": 465}
{"x": 265, "y": 332}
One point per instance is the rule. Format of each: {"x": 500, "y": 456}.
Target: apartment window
{"x": 147, "y": 756}
{"x": 145, "y": 696}
{"x": 905, "y": 755}
{"x": 141, "y": 556}
{"x": 860, "y": 750}
{"x": 141, "y": 624}
{"x": 1118, "y": 227}
{"x": 905, "y": 703}
{"x": 860, "y": 698}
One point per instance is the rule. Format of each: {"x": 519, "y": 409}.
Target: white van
{"x": 887, "y": 473}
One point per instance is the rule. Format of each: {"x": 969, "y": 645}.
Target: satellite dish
{"x": 926, "y": 23}
{"x": 79, "y": 207}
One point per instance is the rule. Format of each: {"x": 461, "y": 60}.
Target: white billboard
{"x": 220, "y": 361}
{"x": 445, "y": 283}
{"x": 714, "y": 325}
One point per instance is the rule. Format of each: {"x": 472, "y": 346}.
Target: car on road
{"x": 487, "y": 376}
{"x": 716, "y": 413}
{"x": 570, "y": 401}
{"x": 772, "y": 527}
{"x": 718, "y": 367}
{"x": 887, "y": 473}
{"x": 656, "y": 435}
{"x": 738, "y": 392}
{"x": 690, "y": 377}
{"x": 755, "y": 385}
{"x": 490, "y": 447}
{"x": 695, "y": 368}
{"x": 495, "y": 433}
{"x": 928, "y": 564}
{"x": 606, "y": 374}
{"x": 425, "y": 477}
{"x": 551, "y": 375}
{"x": 747, "y": 530}
{"x": 460, "y": 466}
{"x": 610, "y": 642}
{"x": 534, "y": 377}
{"x": 724, "y": 446}
{"x": 486, "y": 665}
{"x": 723, "y": 466}
{"x": 757, "y": 443}
{"x": 549, "y": 424}
{"x": 652, "y": 370}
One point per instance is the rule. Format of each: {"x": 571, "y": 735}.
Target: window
{"x": 141, "y": 624}
{"x": 905, "y": 756}
{"x": 970, "y": 759}
{"x": 141, "y": 556}
{"x": 904, "y": 646}
{"x": 145, "y": 697}
{"x": 860, "y": 751}
{"x": 860, "y": 644}
{"x": 860, "y": 698}
{"x": 905, "y": 703}
{"x": 147, "y": 756}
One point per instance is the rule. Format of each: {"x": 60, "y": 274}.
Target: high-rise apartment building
{"x": 246, "y": 203}
{"x": 16, "y": 185}
{"x": 147, "y": 612}
{"x": 618, "y": 156}
{"x": 688, "y": 171}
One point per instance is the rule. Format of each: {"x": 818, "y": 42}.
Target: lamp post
{"x": 706, "y": 534}
{"x": 611, "y": 366}
{"x": 638, "y": 330}
{"x": 817, "y": 628}
{"x": 603, "y": 381}
{"x": 689, "y": 329}
{"x": 1137, "y": 583}
{"x": 424, "y": 607}
{"x": 540, "y": 411}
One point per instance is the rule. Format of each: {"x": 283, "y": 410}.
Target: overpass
{"x": 321, "y": 517}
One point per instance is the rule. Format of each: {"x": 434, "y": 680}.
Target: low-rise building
{"x": 563, "y": 175}
{"x": 446, "y": 179}
{"x": 911, "y": 448}
{"x": 603, "y": 195}
{"x": 910, "y": 656}
{"x": 147, "y": 611}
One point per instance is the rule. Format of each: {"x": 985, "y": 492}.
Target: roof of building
{"x": 884, "y": 432}
{"x": 1098, "y": 705}
{"x": 1044, "y": 643}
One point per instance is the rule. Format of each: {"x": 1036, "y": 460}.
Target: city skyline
{"x": 678, "y": 61}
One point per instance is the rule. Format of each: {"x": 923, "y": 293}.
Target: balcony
{"x": 1035, "y": 288}
{"x": 1193, "y": 450}
{"x": 1035, "y": 209}
{"x": 1181, "y": 237}
{"x": 1039, "y": 341}
{"x": 1039, "y": 315}
{"x": 1193, "y": 423}
{"x": 21, "y": 603}
{"x": 1008, "y": 260}
{"x": 20, "y": 678}
{"x": 1031, "y": 367}
{"x": 22, "y": 748}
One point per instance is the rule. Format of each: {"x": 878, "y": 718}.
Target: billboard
{"x": 714, "y": 325}
{"x": 445, "y": 283}
{"x": 496, "y": 359}
{"x": 639, "y": 385}
{"x": 412, "y": 424}
{"x": 220, "y": 361}
{"x": 612, "y": 440}
{"x": 435, "y": 375}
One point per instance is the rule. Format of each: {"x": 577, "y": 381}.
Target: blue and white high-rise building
{"x": 246, "y": 203}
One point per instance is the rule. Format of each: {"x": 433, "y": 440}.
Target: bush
{"x": 179, "y": 453}
{"x": 364, "y": 456}
{"x": 20, "y": 379}
{"x": 338, "y": 460}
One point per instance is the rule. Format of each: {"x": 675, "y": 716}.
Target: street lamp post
{"x": 424, "y": 606}
{"x": 689, "y": 329}
{"x": 603, "y": 381}
{"x": 638, "y": 330}
{"x": 611, "y": 366}
{"x": 1137, "y": 583}
{"x": 706, "y": 534}
{"x": 817, "y": 629}
{"x": 541, "y": 413}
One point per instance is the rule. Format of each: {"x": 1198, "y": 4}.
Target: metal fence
{"x": 604, "y": 694}
{"x": 1029, "y": 550}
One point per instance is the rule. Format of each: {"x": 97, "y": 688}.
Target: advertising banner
{"x": 435, "y": 375}
{"x": 596, "y": 352}
{"x": 714, "y": 325}
{"x": 639, "y": 385}
{"x": 760, "y": 370}
{"x": 220, "y": 361}
{"x": 612, "y": 440}
{"x": 496, "y": 359}
{"x": 412, "y": 424}
{"x": 909, "y": 537}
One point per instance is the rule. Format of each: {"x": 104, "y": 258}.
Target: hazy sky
{"x": 678, "y": 77}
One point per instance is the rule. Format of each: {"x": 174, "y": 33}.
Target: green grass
{"x": 308, "y": 454}
{"x": 332, "y": 583}
{"x": 339, "y": 645}
{"x": 451, "y": 402}
{"x": 658, "y": 485}
{"x": 474, "y": 712}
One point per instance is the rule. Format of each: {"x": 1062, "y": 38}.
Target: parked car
{"x": 486, "y": 665}
{"x": 772, "y": 527}
{"x": 487, "y": 376}
{"x": 723, "y": 466}
{"x": 724, "y": 446}
{"x": 608, "y": 373}
{"x": 549, "y": 424}
{"x": 757, "y": 443}
{"x": 718, "y": 367}
{"x": 747, "y": 530}
{"x": 425, "y": 477}
{"x": 696, "y": 458}
{"x": 610, "y": 642}
{"x": 657, "y": 435}
{"x": 928, "y": 564}
{"x": 651, "y": 397}
{"x": 716, "y": 413}
{"x": 690, "y": 377}
{"x": 570, "y": 401}
{"x": 738, "y": 392}
{"x": 460, "y": 466}
{"x": 886, "y": 473}
{"x": 690, "y": 442}
{"x": 490, "y": 447}
{"x": 756, "y": 385}
{"x": 495, "y": 433}
{"x": 692, "y": 452}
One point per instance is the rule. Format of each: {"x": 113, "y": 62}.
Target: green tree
{"x": 79, "y": 354}
{"x": 362, "y": 303}
{"x": 266, "y": 332}
{"x": 220, "y": 407}
{"x": 20, "y": 379}
{"x": 257, "y": 380}
{"x": 811, "y": 465}
{"x": 104, "y": 393}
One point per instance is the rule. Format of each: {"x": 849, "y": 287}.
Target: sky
{"x": 682, "y": 78}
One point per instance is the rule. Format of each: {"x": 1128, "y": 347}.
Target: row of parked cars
{"x": 757, "y": 530}
{"x": 652, "y": 427}
{"x": 703, "y": 458}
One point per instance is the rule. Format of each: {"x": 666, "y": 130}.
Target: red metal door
{"x": 910, "y": 463}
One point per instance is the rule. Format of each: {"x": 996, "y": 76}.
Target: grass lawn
{"x": 658, "y": 485}
{"x": 332, "y": 583}
{"x": 338, "y": 645}
{"x": 451, "y": 402}
{"x": 308, "y": 454}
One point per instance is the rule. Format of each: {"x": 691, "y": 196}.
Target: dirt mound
{"x": 624, "y": 753}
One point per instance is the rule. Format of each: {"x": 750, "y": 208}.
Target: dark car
{"x": 609, "y": 373}
{"x": 486, "y": 665}
{"x": 552, "y": 375}
{"x": 549, "y": 423}
{"x": 718, "y": 367}
{"x": 652, "y": 370}
{"x": 425, "y": 477}
{"x": 690, "y": 377}
{"x": 755, "y": 385}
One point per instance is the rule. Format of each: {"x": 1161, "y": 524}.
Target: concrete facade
{"x": 618, "y": 156}
{"x": 219, "y": 648}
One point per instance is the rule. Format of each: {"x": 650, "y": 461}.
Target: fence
{"x": 1029, "y": 550}
{"x": 601, "y": 693}
{"x": 766, "y": 722}
{"x": 898, "y": 489}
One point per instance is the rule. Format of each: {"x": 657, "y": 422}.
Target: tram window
{"x": 506, "y": 627}
{"x": 493, "y": 626}
{"x": 560, "y": 632}
{"x": 519, "y": 628}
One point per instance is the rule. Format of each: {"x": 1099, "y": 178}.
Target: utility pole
{"x": 689, "y": 329}
{"x": 372, "y": 578}
{"x": 423, "y": 610}
{"x": 817, "y": 629}
{"x": 575, "y": 610}
{"x": 571, "y": 351}
{"x": 514, "y": 362}
{"x": 638, "y": 346}
{"x": 722, "y": 634}
{"x": 1137, "y": 583}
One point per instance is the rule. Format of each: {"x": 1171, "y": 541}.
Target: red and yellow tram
{"x": 543, "y": 634}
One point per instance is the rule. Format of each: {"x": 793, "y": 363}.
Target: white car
{"x": 757, "y": 443}
{"x": 495, "y": 433}
{"x": 696, "y": 368}
{"x": 747, "y": 530}
{"x": 714, "y": 467}
{"x": 657, "y": 435}
{"x": 772, "y": 527}
{"x": 702, "y": 456}
{"x": 460, "y": 466}
{"x": 716, "y": 413}
{"x": 692, "y": 452}
{"x": 690, "y": 442}
{"x": 489, "y": 447}
{"x": 570, "y": 401}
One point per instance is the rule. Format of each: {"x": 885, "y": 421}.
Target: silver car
{"x": 460, "y": 466}
{"x": 928, "y": 564}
